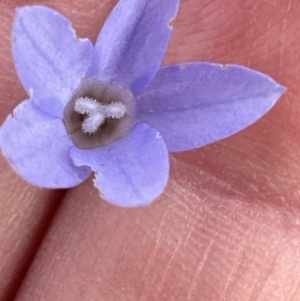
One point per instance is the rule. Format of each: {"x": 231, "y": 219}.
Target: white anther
{"x": 97, "y": 113}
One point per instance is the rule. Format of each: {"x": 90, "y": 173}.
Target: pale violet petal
{"x": 195, "y": 104}
{"x": 133, "y": 42}
{"x": 50, "y": 60}
{"x": 37, "y": 147}
{"x": 130, "y": 172}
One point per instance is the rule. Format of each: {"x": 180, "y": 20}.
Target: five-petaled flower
{"x": 112, "y": 109}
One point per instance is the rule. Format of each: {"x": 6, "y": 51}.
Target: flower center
{"x": 97, "y": 113}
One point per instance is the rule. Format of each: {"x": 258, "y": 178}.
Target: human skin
{"x": 227, "y": 226}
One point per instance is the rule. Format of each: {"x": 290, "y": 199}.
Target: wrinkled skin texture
{"x": 227, "y": 226}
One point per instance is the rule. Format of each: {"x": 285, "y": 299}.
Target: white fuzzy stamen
{"x": 97, "y": 113}
{"x": 115, "y": 110}
{"x": 92, "y": 123}
{"x": 85, "y": 105}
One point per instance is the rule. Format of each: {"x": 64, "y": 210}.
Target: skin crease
{"x": 226, "y": 228}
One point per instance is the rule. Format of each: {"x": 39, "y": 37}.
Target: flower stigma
{"x": 97, "y": 113}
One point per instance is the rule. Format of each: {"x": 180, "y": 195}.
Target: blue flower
{"x": 112, "y": 109}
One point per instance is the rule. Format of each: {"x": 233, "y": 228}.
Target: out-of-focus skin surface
{"x": 25, "y": 214}
{"x": 227, "y": 226}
